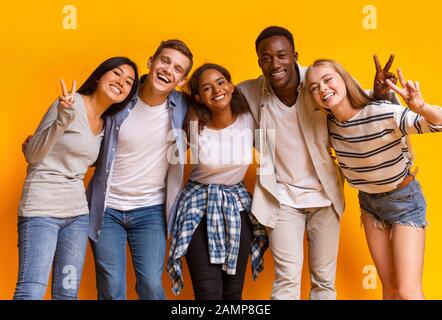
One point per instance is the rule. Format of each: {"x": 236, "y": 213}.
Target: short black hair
{"x": 274, "y": 31}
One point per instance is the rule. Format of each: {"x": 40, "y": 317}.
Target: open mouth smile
{"x": 328, "y": 96}
{"x": 115, "y": 89}
{"x": 277, "y": 74}
{"x": 220, "y": 97}
{"x": 163, "y": 78}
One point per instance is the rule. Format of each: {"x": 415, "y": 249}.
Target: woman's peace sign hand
{"x": 67, "y": 99}
{"x": 410, "y": 92}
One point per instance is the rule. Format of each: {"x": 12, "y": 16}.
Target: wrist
{"x": 64, "y": 114}
{"x": 421, "y": 107}
{"x": 381, "y": 96}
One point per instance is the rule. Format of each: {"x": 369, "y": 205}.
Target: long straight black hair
{"x": 90, "y": 85}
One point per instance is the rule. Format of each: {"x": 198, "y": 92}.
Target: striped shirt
{"x": 371, "y": 148}
{"x": 219, "y": 202}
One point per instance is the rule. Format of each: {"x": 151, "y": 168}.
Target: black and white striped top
{"x": 371, "y": 148}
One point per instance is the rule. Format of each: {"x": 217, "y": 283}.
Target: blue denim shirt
{"x": 99, "y": 184}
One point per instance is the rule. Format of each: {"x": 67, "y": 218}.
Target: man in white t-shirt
{"x": 138, "y": 175}
{"x": 298, "y": 187}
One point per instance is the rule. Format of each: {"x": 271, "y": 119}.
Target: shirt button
{"x": 118, "y": 128}
{"x": 113, "y": 149}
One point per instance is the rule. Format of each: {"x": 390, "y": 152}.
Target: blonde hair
{"x": 357, "y": 96}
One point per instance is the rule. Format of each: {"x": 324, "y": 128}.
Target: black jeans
{"x": 209, "y": 281}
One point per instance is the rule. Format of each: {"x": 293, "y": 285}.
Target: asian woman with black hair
{"x": 53, "y": 222}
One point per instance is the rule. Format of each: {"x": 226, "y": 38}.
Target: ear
{"x": 150, "y": 62}
{"x": 259, "y": 62}
{"x": 295, "y": 56}
{"x": 198, "y": 98}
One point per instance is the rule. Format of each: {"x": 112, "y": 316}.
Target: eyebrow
{"x": 127, "y": 76}
{"x": 278, "y": 52}
{"x": 169, "y": 60}
{"x": 165, "y": 57}
{"x": 207, "y": 83}
{"x": 177, "y": 65}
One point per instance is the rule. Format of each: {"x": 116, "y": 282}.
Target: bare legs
{"x": 398, "y": 254}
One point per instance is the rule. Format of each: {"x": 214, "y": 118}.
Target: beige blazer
{"x": 313, "y": 123}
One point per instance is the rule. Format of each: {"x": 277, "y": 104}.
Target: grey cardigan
{"x": 313, "y": 124}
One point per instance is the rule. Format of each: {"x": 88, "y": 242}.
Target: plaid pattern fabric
{"x": 219, "y": 202}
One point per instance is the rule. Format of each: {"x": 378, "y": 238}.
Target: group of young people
{"x": 137, "y": 133}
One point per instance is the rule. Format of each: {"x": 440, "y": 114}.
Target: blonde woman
{"x": 368, "y": 138}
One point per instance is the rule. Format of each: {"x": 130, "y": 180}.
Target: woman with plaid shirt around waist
{"x": 214, "y": 228}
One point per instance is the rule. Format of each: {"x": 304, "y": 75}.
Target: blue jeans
{"x": 45, "y": 242}
{"x": 145, "y": 231}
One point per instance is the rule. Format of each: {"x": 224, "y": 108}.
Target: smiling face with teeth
{"x": 167, "y": 71}
{"x": 327, "y": 87}
{"x": 215, "y": 91}
{"x": 277, "y": 60}
{"x": 117, "y": 83}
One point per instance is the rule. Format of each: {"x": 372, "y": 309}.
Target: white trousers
{"x": 287, "y": 245}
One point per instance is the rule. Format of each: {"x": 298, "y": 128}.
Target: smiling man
{"x": 299, "y": 187}
{"x": 135, "y": 183}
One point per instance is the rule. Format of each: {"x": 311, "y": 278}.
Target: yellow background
{"x": 37, "y": 51}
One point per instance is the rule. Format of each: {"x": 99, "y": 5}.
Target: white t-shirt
{"x": 140, "y": 166}
{"x": 224, "y": 155}
{"x": 298, "y": 183}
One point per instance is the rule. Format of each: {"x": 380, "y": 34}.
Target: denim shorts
{"x": 405, "y": 206}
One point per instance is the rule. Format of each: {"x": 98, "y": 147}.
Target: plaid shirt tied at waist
{"x": 220, "y": 204}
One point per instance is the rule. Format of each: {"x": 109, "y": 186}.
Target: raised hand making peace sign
{"x": 410, "y": 92}
{"x": 67, "y": 99}
{"x": 380, "y": 86}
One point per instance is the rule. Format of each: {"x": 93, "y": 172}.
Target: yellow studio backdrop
{"x": 43, "y": 41}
